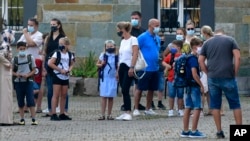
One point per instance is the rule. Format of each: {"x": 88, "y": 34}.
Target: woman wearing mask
{"x": 190, "y": 28}
{"x": 51, "y": 44}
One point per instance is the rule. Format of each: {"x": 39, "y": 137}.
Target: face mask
{"x": 173, "y": 50}
{"x": 203, "y": 37}
{"x": 134, "y": 22}
{"x": 156, "y": 30}
{"x": 190, "y": 32}
{"x": 22, "y": 53}
{"x": 61, "y": 47}
{"x": 110, "y": 50}
{"x": 162, "y": 43}
{"x": 179, "y": 37}
{"x": 53, "y": 28}
{"x": 31, "y": 29}
{"x": 120, "y": 33}
{"x": 198, "y": 50}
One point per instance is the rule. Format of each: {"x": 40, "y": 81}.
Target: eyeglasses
{"x": 190, "y": 28}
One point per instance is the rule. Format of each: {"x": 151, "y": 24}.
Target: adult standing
{"x": 149, "y": 43}
{"x": 223, "y": 62}
{"x": 128, "y": 53}
{"x": 190, "y": 28}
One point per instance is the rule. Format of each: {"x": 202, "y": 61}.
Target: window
{"x": 11, "y": 14}
{"x": 175, "y": 13}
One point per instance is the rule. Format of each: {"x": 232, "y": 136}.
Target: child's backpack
{"x": 16, "y": 64}
{"x": 58, "y": 59}
{"x": 181, "y": 71}
{"x": 100, "y": 70}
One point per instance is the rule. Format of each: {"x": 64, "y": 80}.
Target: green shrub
{"x": 86, "y": 67}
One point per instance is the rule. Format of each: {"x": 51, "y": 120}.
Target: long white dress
{"x": 108, "y": 85}
{"x": 6, "y": 95}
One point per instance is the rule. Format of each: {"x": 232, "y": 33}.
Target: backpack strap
{"x": 29, "y": 61}
{"x": 116, "y": 61}
{"x": 70, "y": 57}
{"x": 15, "y": 64}
{"x": 58, "y": 57}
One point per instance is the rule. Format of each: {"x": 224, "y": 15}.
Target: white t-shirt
{"x": 64, "y": 64}
{"x": 38, "y": 39}
{"x": 125, "y": 51}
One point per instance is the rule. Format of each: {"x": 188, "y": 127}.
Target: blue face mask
{"x": 22, "y": 53}
{"x": 61, "y": 47}
{"x": 134, "y": 22}
{"x": 173, "y": 50}
{"x": 203, "y": 37}
{"x": 31, "y": 29}
{"x": 190, "y": 32}
{"x": 179, "y": 37}
{"x": 156, "y": 30}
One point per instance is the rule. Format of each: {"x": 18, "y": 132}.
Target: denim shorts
{"x": 173, "y": 91}
{"x": 149, "y": 81}
{"x": 161, "y": 81}
{"x": 193, "y": 98}
{"x": 226, "y": 85}
{"x": 25, "y": 90}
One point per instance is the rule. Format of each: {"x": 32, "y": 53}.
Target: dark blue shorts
{"x": 59, "y": 81}
{"x": 24, "y": 90}
{"x": 149, "y": 81}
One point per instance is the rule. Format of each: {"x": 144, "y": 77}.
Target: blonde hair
{"x": 124, "y": 25}
{"x": 190, "y": 22}
{"x": 110, "y": 42}
{"x": 66, "y": 40}
{"x": 207, "y": 30}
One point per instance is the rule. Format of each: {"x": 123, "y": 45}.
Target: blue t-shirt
{"x": 150, "y": 45}
{"x": 192, "y": 62}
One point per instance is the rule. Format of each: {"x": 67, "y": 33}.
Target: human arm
{"x": 236, "y": 54}
{"x": 197, "y": 78}
{"x": 202, "y": 64}
{"x": 32, "y": 42}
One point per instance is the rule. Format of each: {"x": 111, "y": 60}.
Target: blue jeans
{"x": 173, "y": 91}
{"x": 227, "y": 85}
{"x": 161, "y": 81}
{"x": 25, "y": 89}
{"x": 193, "y": 98}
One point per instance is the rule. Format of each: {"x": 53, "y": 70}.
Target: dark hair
{"x": 195, "y": 42}
{"x": 45, "y": 35}
{"x": 178, "y": 43}
{"x": 19, "y": 44}
{"x": 136, "y": 13}
{"x": 183, "y": 30}
{"x": 34, "y": 20}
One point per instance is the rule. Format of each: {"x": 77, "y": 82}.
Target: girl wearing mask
{"x": 107, "y": 64}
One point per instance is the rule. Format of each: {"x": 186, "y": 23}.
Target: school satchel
{"x": 140, "y": 65}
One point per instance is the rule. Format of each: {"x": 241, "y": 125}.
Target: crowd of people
{"x": 211, "y": 67}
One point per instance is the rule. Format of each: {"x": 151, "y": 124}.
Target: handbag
{"x": 140, "y": 65}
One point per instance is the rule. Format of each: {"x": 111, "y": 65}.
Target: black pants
{"x": 125, "y": 83}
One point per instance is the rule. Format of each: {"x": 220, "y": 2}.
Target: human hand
{"x": 25, "y": 30}
{"x": 131, "y": 72}
{"x": 202, "y": 89}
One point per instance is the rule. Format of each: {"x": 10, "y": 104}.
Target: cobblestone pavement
{"x": 85, "y": 126}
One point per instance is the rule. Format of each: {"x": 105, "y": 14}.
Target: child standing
{"x": 194, "y": 91}
{"x": 24, "y": 68}
{"x": 107, "y": 64}
{"x": 168, "y": 63}
{"x": 62, "y": 63}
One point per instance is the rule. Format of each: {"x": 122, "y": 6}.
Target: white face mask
{"x": 198, "y": 50}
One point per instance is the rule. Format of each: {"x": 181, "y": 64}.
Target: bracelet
{"x": 132, "y": 67}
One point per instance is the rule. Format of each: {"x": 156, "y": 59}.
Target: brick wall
{"x": 88, "y": 23}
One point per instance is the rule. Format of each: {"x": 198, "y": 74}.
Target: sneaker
{"x": 122, "y": 108}
{"x": 21, "y": 122}
{"x": 64, "y": 117}
{"x": 57, "y": 110}
{"x": 46, "y": 110}
{"x": 180, "y": 113}
{"x": 220, "y": 135}
{"x": 171, "y": 113}
{"x": 197, "y": 134}
{"x": 127, "y": 117}
{"x": 54, "y": 117}
{"x": 185, "y": 134}
{"x": 153, "y": 105}
{"x": 136, "y": 113}
{"x": 34, "y": 122}
{"x": 161, "y": 106}
{"x": 141, "y": 107}
{"x": 150, "y": 112}
{"x": 120, "y": 117}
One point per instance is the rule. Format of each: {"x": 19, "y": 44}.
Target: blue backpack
{"x": 182, "y": 72}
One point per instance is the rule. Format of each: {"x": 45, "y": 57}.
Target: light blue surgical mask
{"x": 156, "y": 30}
{"x": 190, "y": 32}
{"x": 203, "y": 37}
{"x": 22, "y": 53}
{"x": 31, "y": 29}
{"x": 134, "y": 22}
{"x": 179, "y": 37}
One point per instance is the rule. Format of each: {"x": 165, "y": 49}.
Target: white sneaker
{"x": 57, "y": 109}
{"x": 127, "y": 117}
{"x": 136, "y": 113}
{"x": 171, "y": 113}
{"x": 150, "y": 112}
{"x": 46, "y": 110}
{"x": 181, "y": 113}
{"x": 120, "y": 117}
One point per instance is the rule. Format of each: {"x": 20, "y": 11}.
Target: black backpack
{"x": 58, "y": 59}
{"x": 100, "y": 70}
{"x": 16, "y": 64}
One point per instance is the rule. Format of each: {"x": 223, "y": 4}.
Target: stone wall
{"x": 234, "y": 17}
{"x": 88, "y": 23}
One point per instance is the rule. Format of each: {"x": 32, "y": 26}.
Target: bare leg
{"x": 55, "y": 97}
{"x": 186, "y": 119}
{"x": 180, "y": 103}
{"x": 149, "y": 99}
{"x": 196, "y": 116}
{"x": 238, "y": 116}
{"x": 110, "y": 106}
{"x": 21, "y": 112}
{"x": 171, "y": 103}
{"x": 217, "y": 119}
{"x": 103, "y": 105}
{"x": 40, "y": 95}
{"x": 64, "y": 90}
{"x": 32, "y": 111}
{"x": 137, "y": 97}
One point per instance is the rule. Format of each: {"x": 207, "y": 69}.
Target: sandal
{"x": 110, "y": 117}
{"x": 101, "y": 118}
